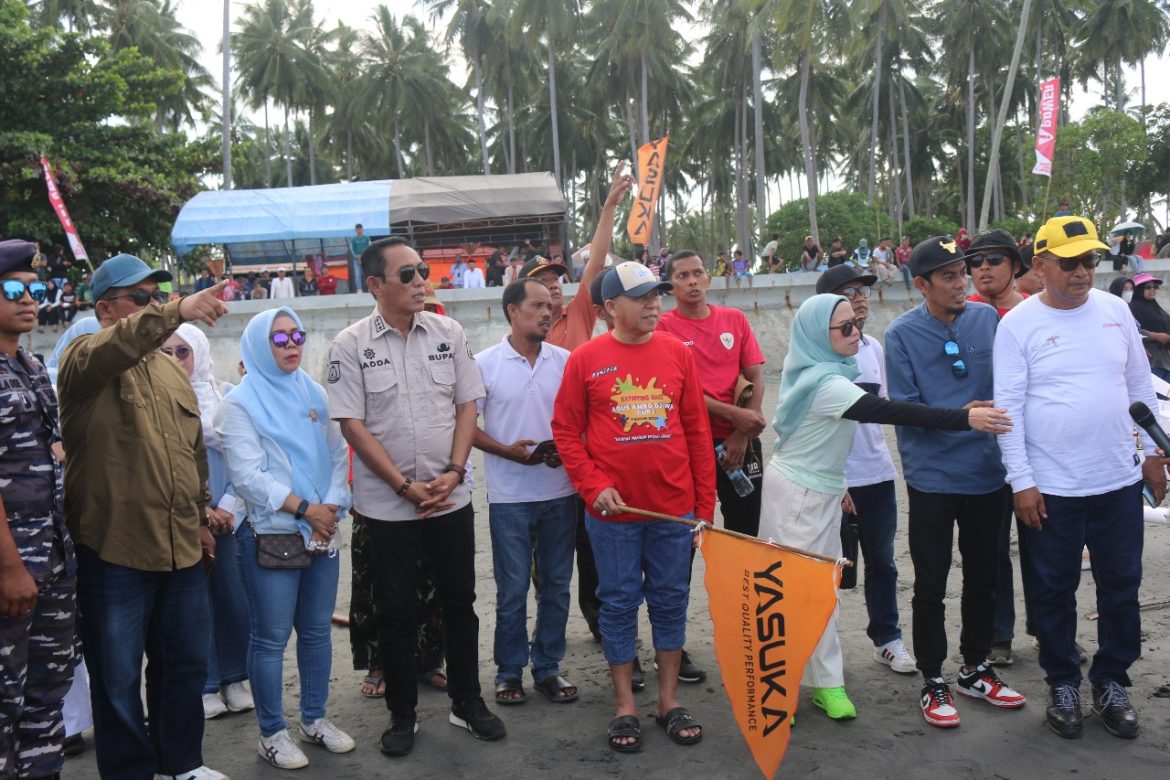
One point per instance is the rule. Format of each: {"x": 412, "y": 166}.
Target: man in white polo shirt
{"x": 1068, "y": 363}
{"x": 530, "y": 497}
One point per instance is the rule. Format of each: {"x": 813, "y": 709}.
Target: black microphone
{"x": 1142, "y": 415}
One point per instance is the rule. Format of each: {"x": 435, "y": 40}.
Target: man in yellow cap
{"x": 1068, "y": 363}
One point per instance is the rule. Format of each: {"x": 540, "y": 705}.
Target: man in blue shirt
{"x": 940, "y": 354}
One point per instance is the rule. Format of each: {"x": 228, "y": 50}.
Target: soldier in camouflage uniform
{"x": 38, "y": 577}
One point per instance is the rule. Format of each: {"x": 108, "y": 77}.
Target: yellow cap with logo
{"x": 1068, "y": 237}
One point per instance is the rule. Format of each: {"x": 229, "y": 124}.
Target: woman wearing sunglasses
{"x": 289, "y": 463}
{"x": 804, "y": 483}
{"x": 227, "y": 663}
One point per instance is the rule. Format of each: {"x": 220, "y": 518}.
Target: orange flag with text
{"x": 651, "y": 164}
{"x": 769, "y": 607}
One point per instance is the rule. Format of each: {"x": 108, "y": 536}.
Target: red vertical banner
{"x": 1046, "y": 130}
{"x": 58, "y": 203}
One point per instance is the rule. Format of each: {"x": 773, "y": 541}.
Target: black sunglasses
{"x": 1088, "y": 261}
{"x": 406, "y": 273}
{"x": 142, "y": 297}
{"x": 178, "y": 353}
{"x": 852, "y": 292}
{"x": 993, "y": 259}
{"x": 282, "y": 340}
{"x": 958, "y": 367}
{"x": 14, "y": 290}
{"x": 847, "y": 327}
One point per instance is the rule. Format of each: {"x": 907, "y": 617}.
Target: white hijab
{"x": 203, "y": 382}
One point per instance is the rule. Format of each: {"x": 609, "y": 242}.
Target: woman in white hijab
{"x": 227, "y": 665}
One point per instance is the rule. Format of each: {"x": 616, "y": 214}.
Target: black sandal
{"x": 510, "y": 686}
{"x": 678, "y": 720}
{"x": 555, "y": 685}
{"x": 625, "y": 727}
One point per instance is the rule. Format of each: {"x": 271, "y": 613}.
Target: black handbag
{"x": 281, "y": 551}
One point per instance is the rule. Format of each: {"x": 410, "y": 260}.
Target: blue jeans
{"x": 127, "y": 612}
{"x": 877, "y": 520}
{"x": 648, "y": 559}
{"x": 280, "y": 600}
{"x": 553, "y": 525}
{"x": 1111, "y": 525}
{"x": 228, "y": 660}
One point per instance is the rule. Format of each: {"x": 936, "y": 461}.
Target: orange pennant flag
{"x": 651, "y": 164}
{"x": 769, "y": 608}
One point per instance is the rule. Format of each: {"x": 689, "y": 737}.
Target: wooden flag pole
{"x": 798, "y": 551}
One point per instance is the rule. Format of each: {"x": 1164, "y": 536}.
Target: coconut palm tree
{"x": 554, "y": 21}
{"x": 78, "y": 15}
{"x": 470, "y": 26}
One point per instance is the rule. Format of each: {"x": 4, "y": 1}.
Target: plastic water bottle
{"x": 743, "y": 486}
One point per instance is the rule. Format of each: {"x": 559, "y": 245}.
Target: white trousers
{"x": 799, "y": 517}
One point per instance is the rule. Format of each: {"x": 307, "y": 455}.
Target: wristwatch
{"x": 301, "y": 509}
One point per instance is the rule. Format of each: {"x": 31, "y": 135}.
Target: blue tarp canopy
{"x": 286, "y": 214}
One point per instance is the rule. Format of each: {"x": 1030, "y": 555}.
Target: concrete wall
{"x": 769, "y": 305}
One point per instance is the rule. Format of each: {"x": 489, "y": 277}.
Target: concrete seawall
{"x": 769, "y": 305}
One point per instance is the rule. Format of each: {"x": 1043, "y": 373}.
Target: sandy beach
{"x": 888, "y": 739}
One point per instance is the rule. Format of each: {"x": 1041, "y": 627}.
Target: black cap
{"x": 595, "y": 285}
{"x": 840, "y": 275}
{"x": 995, "y": 239}
{"x": 17, "y": 255}
{"x": 933, "y": 253}
{"x": 538, "y": 264}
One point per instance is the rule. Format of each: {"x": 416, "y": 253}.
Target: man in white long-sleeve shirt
{"x": 1068, "y": 363}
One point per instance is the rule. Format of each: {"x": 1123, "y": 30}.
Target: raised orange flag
{"x": 769, "y": 607}
{"x": 651, "y": 164}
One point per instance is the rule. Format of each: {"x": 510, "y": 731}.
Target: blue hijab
{"x": 287, "y": 408}
{"x": 81, "y": 327}
{"x": 811, "y": 360}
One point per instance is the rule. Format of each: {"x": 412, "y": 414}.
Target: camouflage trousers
{"x": 37, "y": 657}
{"x": 363, "y": 611}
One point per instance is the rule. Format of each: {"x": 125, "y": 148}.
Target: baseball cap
{"x": 1068, "y": 237}
{"x": 595, "y": 285}
{"x": 123, "y": 271}
{"x": 17, "y": 255}
{"x": 632, "y": 280}
{"x": 933, "y": 253}
{"x": 538, "y": 264}
{"x": 840, "y": 275}
{"x": 996, "y": 239}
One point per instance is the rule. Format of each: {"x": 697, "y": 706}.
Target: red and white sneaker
{"x": 983, "y": 683}
{"x": 937, "y": 705}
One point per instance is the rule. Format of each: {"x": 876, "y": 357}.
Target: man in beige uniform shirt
{"x": 403, "y": 385}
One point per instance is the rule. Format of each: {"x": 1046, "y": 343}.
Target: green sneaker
{"x": 835, "y": 703}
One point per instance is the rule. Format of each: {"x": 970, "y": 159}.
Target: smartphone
{"x": 1148, "y": 495}
{"x": 545, "y": 448}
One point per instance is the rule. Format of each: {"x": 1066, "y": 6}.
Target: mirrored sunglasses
{"x": 282, "y": 340}
{"x": 14, "y": 290}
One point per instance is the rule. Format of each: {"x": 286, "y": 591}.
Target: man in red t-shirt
{"x": 902, "y": 259}
{"x": 630, "y": 424}
{"x": 724, "y": 346}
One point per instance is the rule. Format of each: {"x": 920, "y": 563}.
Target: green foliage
{"x": 925, "y": 227}
{"x": 839, "y": 213}
{"x": 91, "y": 112}
{"x": 1095, "y": 158}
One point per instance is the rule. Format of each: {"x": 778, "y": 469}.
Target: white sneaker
{"x": 322, "y": 732}
{"x": 202, "y": 773}
{"x": 280, "y": 751}
{"x": 895, "y": 655}
{"x": 213, "y": 706}
{"x": 238, "y": 697}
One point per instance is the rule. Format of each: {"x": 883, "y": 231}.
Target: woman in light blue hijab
{"x": 289, "y": 463}
{"x": 804, "y": 482}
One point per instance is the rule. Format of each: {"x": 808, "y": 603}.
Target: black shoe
{"x": 73, "y": 746}
{"x": 1111, "y": 704}
{"x": 688, "y": 672}
{"x": 637, "y": 676}
{"x": 1064, "y": 711}
{"x": 398, "y": 740}
{"x": 473, "y": 715}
